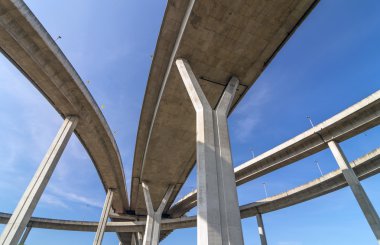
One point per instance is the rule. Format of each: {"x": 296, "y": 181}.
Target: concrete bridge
{"x": 208, "y": 55}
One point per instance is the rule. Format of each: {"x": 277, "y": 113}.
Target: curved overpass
{"x": 220, "y": 39}
{"x": 344, "y": 125}
{"x": 25, "y": 42}
{"x": 364, "y": 167}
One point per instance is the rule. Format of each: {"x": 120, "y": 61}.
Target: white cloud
{"x": 52, "y": 200}
{"x": 74, "y": 197}
{"x": 247, "y": 114}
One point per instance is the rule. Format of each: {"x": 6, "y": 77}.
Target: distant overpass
{"x": 365, "y": 167}
{"x": 344, "y": 125}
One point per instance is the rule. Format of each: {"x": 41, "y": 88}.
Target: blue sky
{"x": 330, "y": 63}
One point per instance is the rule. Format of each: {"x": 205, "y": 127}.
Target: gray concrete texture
{"x": 219, "y": 39}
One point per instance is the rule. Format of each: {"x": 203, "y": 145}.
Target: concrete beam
{"x": 24, "y": 210}
{"x": 103, "y": 218}
{"x": 361, "y": 196}
{"x": 218, "y": 219}
{"x": 124, "y": 216}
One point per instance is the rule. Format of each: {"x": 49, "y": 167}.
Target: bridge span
{"x": 365, "y": 167}
{"x": 354, "y": 120}
{"x": 208, "y": 55}
{"x": 26, "y": 43}
{"x": 219, "y": 39}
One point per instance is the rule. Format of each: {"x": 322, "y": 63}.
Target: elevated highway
{"x": 25, "y": 42}
{"x": 219, "y": 39}
{"x": 344, "y": 125}
{"x": 364, "y": 167}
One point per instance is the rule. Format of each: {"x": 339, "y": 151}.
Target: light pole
{"x": 253, "y": 153}
{"x": 311, "y": 122}
{"x": 319, "y": 167}
{"x": 265, "y": 189}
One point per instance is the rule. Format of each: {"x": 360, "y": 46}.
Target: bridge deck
{"x": 219, "y": 39}
{"x": 25, "y": 42}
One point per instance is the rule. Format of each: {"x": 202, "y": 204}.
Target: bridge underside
{"x": 227, "y": 45}
{"x": 220, "y": 39}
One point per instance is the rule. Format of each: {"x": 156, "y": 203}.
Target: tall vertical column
{"x": 24, "y": 210}
{"x": 25, "y": 235}
{"x": 357, "y": 189}
{"x": 153, "y": 219}
{"x": 260, "y": 224}
{"x": 137, "y": 238}
{"x": 228, "y": 199}
{"x": 218, "y": 218}
{"x": 103, "y": 218}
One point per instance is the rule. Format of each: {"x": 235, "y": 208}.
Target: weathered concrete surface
{"x": 346, "y": 124}
{"x": 25, "y": 42}
{"x": 364, "y": 167}
{"x": 219, "y": 39}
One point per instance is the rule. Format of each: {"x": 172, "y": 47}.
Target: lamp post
{"x": 319, "y": 168}
{"x": 253, "y": 153}
{"x": 311, "y": 122}
{"x": 265, "y": 189}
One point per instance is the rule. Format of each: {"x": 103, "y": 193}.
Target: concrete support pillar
{"x": 137, "y": 238}
{"x": 25, "y": 235}
{"x": 103, "y": 218}
{"x": 24, "y": 210}
{"x": 260, "y": 224}
{"x": 357, "y": 189}
{"x": 218, "y": 218}
{"x": 153, "y": 219}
